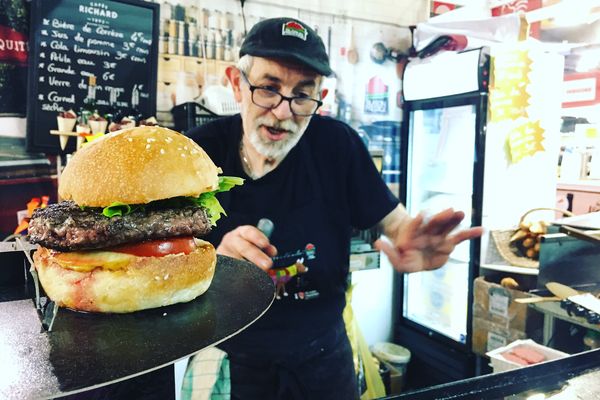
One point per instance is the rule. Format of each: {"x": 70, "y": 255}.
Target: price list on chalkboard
{"x": 75, "y": 42}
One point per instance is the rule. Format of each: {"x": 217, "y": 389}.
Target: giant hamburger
{"x": 126, "y": 236}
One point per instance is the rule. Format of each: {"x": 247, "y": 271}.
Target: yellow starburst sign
{"x": 525, "y": 140}
{"x": 509, "y": 103}
{"x": 509, "y": 98}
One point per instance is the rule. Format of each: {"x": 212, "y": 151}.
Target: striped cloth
{"x": 207, "y": 376}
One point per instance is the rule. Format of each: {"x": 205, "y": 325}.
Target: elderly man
{"x": 314, "y": 178}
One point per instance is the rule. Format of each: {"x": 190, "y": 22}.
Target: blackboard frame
{"x": 35, "y": 132}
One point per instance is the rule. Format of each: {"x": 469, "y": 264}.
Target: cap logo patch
{"x": 293, "y": 28}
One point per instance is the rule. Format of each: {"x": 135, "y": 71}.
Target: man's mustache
{"x": 286, "y": 125}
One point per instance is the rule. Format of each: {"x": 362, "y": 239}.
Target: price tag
{"x": 495, "y": 341}
{"x": 499, "y": 304}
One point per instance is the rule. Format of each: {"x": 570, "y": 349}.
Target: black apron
{"x": 303, "y": 361}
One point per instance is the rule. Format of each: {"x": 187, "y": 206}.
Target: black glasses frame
{"x": 282, "y": 98}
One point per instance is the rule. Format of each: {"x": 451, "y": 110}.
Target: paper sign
{"x": 525, "y": 140}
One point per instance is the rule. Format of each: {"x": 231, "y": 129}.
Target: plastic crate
{"x": 190, "y": 115}
{"x": 220, "y": 99}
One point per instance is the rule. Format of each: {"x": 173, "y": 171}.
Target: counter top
{"x": 582, "y": 185}
{"x": 553, "y": 309}
{"x": 576, "y": 376}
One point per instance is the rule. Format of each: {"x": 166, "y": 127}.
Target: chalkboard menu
{"x": 113, "y": 41}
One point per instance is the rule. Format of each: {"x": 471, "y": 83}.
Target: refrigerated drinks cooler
{"x": 445, "y": 117}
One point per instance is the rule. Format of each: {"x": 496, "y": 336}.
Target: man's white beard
{"x": 279, "y": 149}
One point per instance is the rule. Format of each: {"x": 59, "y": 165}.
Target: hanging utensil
{"x": 352, "y": 53}
{"x": 378, "y": 53}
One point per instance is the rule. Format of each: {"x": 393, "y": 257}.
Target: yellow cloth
{"x": 360, "y": 350}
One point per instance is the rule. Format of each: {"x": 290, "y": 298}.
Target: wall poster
{"x": 14, "y": 49}
{"x": 113, "y": 42}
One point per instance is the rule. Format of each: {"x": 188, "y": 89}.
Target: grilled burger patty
{"x": 65, "y": 226}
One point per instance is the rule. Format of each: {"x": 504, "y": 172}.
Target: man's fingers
{"x": 401, "y": 261}
{"x": 256, "y": 256}
{"x": 411, "y": 231}
{"x": 247, "y": 242}
{"x": 467, "y": 234}
{"x": 389, "y": 251}
{"x": 444, "y": 222}
{"x": 253, "y": 235}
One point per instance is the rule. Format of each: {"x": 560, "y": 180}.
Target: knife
{"x": 560, "y": 290}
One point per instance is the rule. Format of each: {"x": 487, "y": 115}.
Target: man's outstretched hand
{"x": 419, "y": 245}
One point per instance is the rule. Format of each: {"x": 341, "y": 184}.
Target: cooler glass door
{"x": 441, "y": 151}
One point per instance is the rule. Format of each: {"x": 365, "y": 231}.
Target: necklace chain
{"x": 246, "y": 163}
{"x": 269, "y": 164}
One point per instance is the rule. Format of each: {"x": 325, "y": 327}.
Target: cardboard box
{"x": 500, "y": 364}
{"x": 498, "y": 320}
{"x": 488, "y": 336}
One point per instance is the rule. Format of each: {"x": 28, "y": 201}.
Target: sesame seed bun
{"x": 137, "y": 166}
{"x": 138, "y": 283}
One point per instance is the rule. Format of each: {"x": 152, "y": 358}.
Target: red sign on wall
{"x": 376, "y": 96}
{"x": 13, "y": 46}
{"x": 440, "y": 7}
{"x": 581, "y": 89}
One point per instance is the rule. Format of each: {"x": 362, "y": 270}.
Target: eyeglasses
{"x": 270, "y": 99}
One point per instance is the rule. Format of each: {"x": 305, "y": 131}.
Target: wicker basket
{"x": 509, "y": 251}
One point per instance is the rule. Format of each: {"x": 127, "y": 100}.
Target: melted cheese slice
{"x": 89, "y": 260}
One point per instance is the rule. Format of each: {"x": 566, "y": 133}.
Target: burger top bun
{"x": 137, "y": 166}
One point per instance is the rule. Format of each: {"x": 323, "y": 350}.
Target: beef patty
{"x": 65, "y": 226}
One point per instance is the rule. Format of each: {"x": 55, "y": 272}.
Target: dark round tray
{"x": 88, "y": 350}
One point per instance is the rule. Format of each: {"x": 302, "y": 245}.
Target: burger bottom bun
{"x": 145, "y": 282}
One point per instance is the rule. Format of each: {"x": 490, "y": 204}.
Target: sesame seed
{"x": 183, "y": 155}
{"x": 168, "y": 140}
{"x": 185, "y": 147}
{"x": 166, "y": 277}
{"x": 157, "y": 278}
{"x": 129, "y": 139}
{"x": 147, "y": 146}
{"x": 162, "y": 151}
{"x": 150, "y": 140}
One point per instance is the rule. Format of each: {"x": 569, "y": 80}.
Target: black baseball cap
{"x": 287, "y": 38}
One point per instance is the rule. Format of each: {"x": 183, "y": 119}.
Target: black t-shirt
{"x": 327, "y": 185}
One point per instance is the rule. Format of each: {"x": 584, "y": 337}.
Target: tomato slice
{"x": 158, "y": 248}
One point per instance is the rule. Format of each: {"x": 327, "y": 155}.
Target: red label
{"x": 440, "y": 7}
{"x": 376, "y": 97}
{"x": 14, "y": 48}
{"x": 376, "y": 86}
{"x": 295, "y": 25}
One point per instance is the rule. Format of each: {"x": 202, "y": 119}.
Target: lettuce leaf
{"x": 228, "y": 182}
{"x": 210, "y": 202}
{"x": 116, "y": 208}
{"x": 206, "y": 200}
